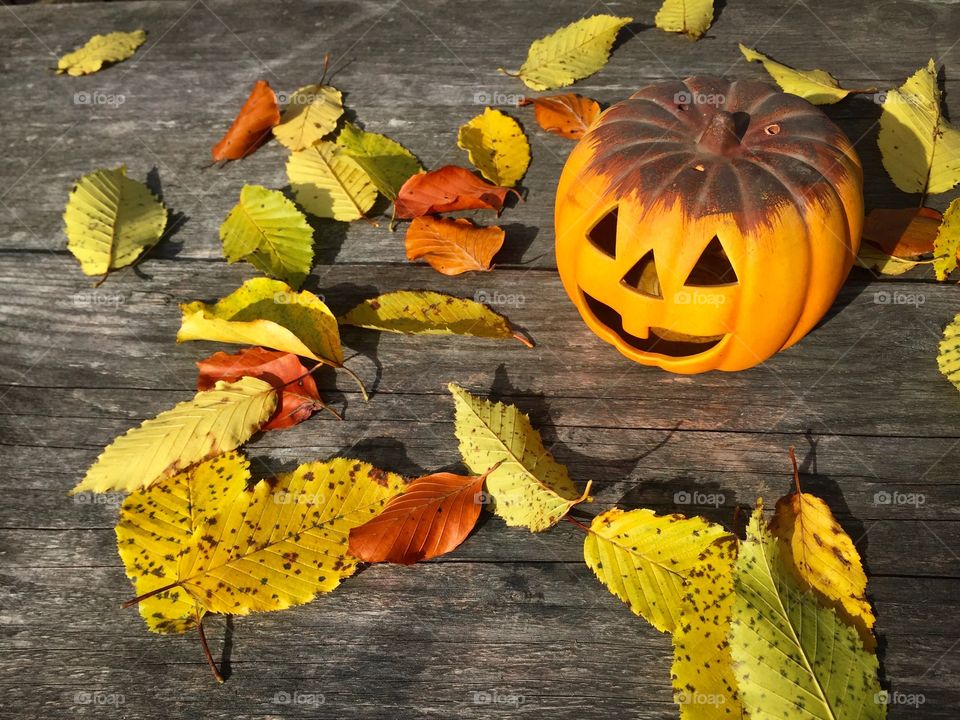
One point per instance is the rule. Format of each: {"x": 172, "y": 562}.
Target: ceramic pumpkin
{"x": 707, "y": 224}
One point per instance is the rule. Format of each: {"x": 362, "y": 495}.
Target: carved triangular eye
{"x": 603, "y": 235}
{"x": 643, "y": 277}
{"x": 713, "y": 267}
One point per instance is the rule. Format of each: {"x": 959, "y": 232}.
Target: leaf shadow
{"x": 518, "y": 239}
{"x": 165, "y": 248}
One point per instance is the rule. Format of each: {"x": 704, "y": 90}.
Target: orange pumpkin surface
{"x": 707, "y": 224}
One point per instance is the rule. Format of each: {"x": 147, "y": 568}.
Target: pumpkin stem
{"x": 720, "y": 137}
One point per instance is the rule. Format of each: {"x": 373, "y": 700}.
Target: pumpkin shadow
{"x": 519, "y": 238}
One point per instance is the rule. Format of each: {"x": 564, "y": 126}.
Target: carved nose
{"x": 721, "y": 135}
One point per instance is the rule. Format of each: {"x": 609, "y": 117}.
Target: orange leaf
{"x": 902, "y": 232}
{"x": 453, "y": 246}
{"x": 568, "y": 115}
{"x": 299, "y": 397}
{"x": 446, "y": 189}
{"x": 252, "y": 125}
{"x": 432, "y": 517}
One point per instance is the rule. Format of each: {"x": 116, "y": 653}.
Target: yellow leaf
{"x": 311, "y": 113}
{"x": 816, "y": 86}
{"x": 920, "y": 149}
{"x": 111, "y": 220}
{"x": 690, "y": 17}
{"x": 792, "y": 657}
{"x": 110, "y": 48}
{"x": 947, "y": 243}
{"x": 948, "y": 358}
{"x": 270, "y": 314}
{"x": 267, "y": 230}
{"x": 650, "y": 561}
{"x": 873, "y": 258}
{"x": 423, "y": 312}
{"x": 497, "y": 147}
{"x": 213, "y": 422}
{"x": 155, "y": 524}
{"x": 285, "y": 539}
{"x": 529, "y": 488}
{"x": 388, "y": 163}
{"x": 571, "y": 53}
{"x": 329, "y": 183}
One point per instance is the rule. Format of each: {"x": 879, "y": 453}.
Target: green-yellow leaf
{"x": 424, "y": 312}
{"x": 920, "y": 149}
{"x": 873, "y": 258}
{"x": 157, "y": 522}
{"x": 99, "y": 50}
{"x": 947, "y": 243}
{"x": 794, "y": 658}
{"x": 284, "y": 540}
{"x": 329, "y": 183}
{"x": 816, "y": 86}
{"x": 497, "y": 147}
{"x": 529, "y": 488}
{"x": 690, "y": 17}
{"x": 268, "y": 313}
{"x": 573, "y": 52}
{"x": 268, "y": 230}
{"x": 948, "y": 358}
{"x": 388, "y": 163}
{"x": 648, "y": 560}
{"x": 311, "y": 113}
{"x": 111, "y": 220}
{"x": 213, "y": 422}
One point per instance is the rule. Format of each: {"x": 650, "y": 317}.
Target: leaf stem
{"x": 156, "y": 591}
{"x": 206, "y": 653}
{"x": 796, "y": 470}
{"x": 351, "y": 373}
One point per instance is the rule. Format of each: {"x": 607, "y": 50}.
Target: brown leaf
{"x": 568, "y": 114}
{"x": 432, "y": 517}
{"x": 453, "y": 247}
{"x": 252, "y": 125}
{"x": 298, "y": 398}
{"x": 905, "y": 233}
{"x": 446, "y": 189}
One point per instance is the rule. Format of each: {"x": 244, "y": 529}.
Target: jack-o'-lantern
{"x": 707, "y": 224}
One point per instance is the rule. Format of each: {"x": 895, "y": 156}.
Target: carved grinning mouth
{"x": 659, "y": 341}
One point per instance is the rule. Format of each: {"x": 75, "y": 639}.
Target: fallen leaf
{"x": 527, "y": 486}
{"x": 452, "y": 246}
{"x": 946, "y": 246}
{"x": 213, "y": 422}
{"x": 920, "y": 149}
{"x": 823, "y": 556}
{"x": 905, "y": 233}
{"x": 571, "y": 53}
{"x": 269, "y": 232}
{"x": 298, "y": 397}
{"x": 156, "y": 522}
{"x": 268, "y": 313}
{"x": 111, "y": 221}
{"x": 99, "y": 50}
{"x": 690, "y": 17}
{"x": 431, "y": 518}
{"x": 252, "y": 126}
{"x": 329, "y": 183}
{"x": 311, "y": 113}
{"x": 388, "y": 163}
{"x": 873, "y": 258}
{"x": 567, "y": 115}
{"x": 447, "y": 189}
{"x": 497, "y": 147}
{"x": 816, "y": 86}
{"x": 424, "y": 312}
{"x": 791, "y": 656}
{"x": 948, "y": 356}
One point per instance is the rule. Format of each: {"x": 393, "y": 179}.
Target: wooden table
{"x": 515, "y": 615}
